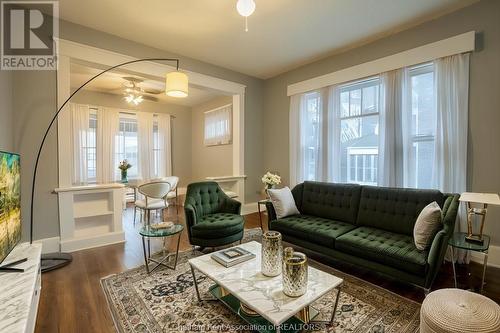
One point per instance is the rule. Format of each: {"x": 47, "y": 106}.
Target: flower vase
{"x": 124, "y": 176}
{"x": 268, "y": 187}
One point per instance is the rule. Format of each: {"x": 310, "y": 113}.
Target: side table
{"x": 458, "y": 241}
{"x": 263, "y": 203}
{"x": 147, "y": 232}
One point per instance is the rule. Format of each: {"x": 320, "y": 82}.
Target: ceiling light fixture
{"x": 245, "y": 8}
{"x": 176, "y": 84}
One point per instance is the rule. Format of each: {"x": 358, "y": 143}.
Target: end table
{"x": 147, "y": 233}
{"x": 259, "y": 203}
{"x": 458, "y": 241}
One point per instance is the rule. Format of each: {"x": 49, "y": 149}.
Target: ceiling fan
{"x": 135, "y": 94}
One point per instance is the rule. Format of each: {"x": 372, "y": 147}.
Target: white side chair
{"x": 173, "y": 194}
{"x": 155, "y": 197}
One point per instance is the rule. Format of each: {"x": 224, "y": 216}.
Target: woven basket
{"x": 457, "y": 310}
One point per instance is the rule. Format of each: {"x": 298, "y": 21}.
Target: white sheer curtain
{"x": 309, "y": 137}
{"x": 334, "y": 134}
{"x": 218, "y": 126}
{"x": 164, "y": 145}
{"x": 391, "y": 129}
{"x": 452, "y": 105}
{"x": 108, "y": 120}
{"x": 80, "y": 115}
{"x": 145, "y": 144}
{"x": 296, "y": 147}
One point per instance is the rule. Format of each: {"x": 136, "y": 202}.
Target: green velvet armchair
{"x": 212, "y": 218}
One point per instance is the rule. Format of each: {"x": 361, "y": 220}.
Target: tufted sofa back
{"x": 330, "y": 200}
{"x": 205, "y": 197}
{"x": 394, "y": 209}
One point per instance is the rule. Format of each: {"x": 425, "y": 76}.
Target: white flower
{"x": 271, "y": 179}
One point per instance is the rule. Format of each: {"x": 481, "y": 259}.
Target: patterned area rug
{"x": 165, "y": 301}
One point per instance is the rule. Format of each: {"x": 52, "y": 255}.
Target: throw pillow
{"x": 428, "y": 223}
{"x": 283, "y": 202}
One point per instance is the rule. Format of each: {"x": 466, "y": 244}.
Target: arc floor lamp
{"x": 176, "y": 85}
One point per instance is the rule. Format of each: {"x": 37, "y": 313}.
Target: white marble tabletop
{"x": 261, "y": 293}
{"x": 16, "y": 289}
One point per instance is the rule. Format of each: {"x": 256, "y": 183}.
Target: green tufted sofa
{"x": 212, "y": 218}
{"x": 368, "y": 226}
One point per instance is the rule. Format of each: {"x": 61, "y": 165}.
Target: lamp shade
{"x": 245, "y": 7}
{"x": 176, "y": 84}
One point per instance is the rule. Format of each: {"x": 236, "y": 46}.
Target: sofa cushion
{"x": 218, "y": 225}
{"x": 331, "y": 201}
{"x": 388, "y": 248}
{"x": 312, "y": 228}
{"x": 394, "y": 209}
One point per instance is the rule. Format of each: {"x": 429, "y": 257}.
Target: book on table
{"x": 232, "y": 256}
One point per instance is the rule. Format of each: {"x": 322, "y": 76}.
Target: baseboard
{"x": 493, "y": 256}
{"x": 82, "y": 243}
{"x": 49, "y": 244}
{"x": 249, "y": 208}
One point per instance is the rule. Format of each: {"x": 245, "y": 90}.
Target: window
{"x": 359, "y": 123}
{"x": 127, "y": 144}
{"x": 423, "y": 126}
{"x": 89, "y": 147}
{"x": 312, "y": 102}
{"x": 218, "y": 126}
{"x": 156, "y": 150}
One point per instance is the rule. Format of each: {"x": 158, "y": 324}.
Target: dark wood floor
{"x": 72, "y": 299}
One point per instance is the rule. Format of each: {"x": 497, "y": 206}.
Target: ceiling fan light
{"x": 245, "y": 7}
{"x": 176, "y": 84}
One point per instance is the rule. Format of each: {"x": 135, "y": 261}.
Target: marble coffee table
{"x": 243, "y": 287}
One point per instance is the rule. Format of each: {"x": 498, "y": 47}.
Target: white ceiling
{"x": 112, "y": 83}
{"x": 283, "y": 34}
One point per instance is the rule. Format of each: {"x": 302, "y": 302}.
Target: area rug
{"x": 165, "y": 301}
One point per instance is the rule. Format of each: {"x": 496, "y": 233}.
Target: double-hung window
{"x": 359, "y": 131}
{"x": 89, "y": 147}
{"x": 127, "y": 143}
{"x": 156, "y": 149}
{"x": 423, "y": 126}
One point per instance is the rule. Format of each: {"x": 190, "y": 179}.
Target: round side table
{"x": 458, "y": 241}
{"x": 147, "y": 232}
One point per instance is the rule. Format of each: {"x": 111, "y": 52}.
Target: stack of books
{"x": 232, "y": 256}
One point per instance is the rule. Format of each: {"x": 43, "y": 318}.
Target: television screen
{"x": 10, "y": 202}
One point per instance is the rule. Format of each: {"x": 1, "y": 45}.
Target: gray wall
{"x": 484, "y": 103}
{"x": 34, "y": 103}
{"x": 6, "y": 111}
{"x": 181, "y": 126}
{"x": 211, "y": 160}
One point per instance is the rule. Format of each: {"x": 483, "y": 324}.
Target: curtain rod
{"x": 132, "y": 113}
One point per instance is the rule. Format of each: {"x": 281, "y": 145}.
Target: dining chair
{"x": 155, "y": 197}
{"x": 173, "y": 194}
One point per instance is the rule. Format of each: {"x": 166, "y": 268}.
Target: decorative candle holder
{"x": 295, "y": 275}
{"x": 272, "y": 251}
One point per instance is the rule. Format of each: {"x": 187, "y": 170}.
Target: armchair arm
{"x": 190, "y": 212}
{"x": 231, "y": 206}
{"x": 440, "y": 243}
{"x": 271, "y": 214}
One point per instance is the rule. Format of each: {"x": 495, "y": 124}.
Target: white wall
{"x": 209, "y": 161}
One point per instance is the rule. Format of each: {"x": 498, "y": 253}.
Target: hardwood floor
{"x": 72, "y": 299}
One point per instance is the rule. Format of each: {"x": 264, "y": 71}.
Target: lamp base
{"x": 478, "y": 239}
{"x": 51, "y": 261}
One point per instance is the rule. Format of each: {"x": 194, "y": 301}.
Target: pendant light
{"x": 245, "y": 8}
{"x": 176, "y": 84}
